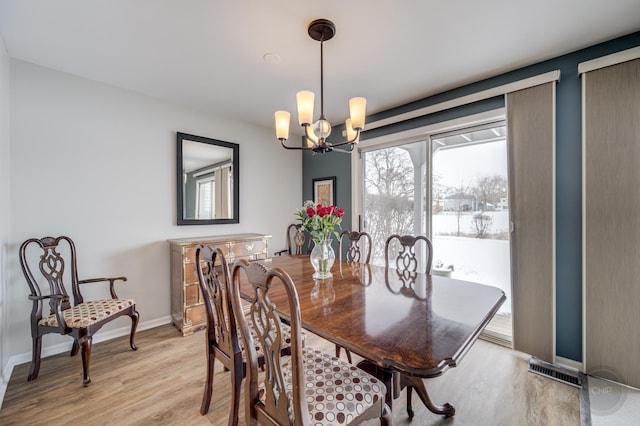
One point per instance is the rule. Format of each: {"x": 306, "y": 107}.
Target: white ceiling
{"x": 208, "y": 54}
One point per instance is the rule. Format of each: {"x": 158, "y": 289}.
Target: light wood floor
{"x": 162, "y": 384}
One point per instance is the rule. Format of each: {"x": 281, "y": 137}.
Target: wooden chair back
{"x": 405, "y": 258}
{"x": 296, "y": 241}
{"x": 275, "y": 407}
{"x": 51, "y": 267}
{"x": 359, "y": 248}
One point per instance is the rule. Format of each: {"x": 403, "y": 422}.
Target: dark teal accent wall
{"x": 568, "y": 170}
{"x": 336, "y": 164}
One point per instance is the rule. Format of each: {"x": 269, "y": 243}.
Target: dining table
{"x": 406, "y": 326}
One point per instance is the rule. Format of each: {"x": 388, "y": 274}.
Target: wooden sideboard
{"x": 187, "y": 309}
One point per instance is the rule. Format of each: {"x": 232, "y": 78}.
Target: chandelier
{"x": 316, "y": 134}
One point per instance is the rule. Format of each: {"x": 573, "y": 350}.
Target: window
{"x": 206, "y": 196}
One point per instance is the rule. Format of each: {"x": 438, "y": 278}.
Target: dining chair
{"x": 405, "y": 258}
{"x": 358, "y": 250}
{"x": 222, "y": 337}
{"x": 311, "y": 386}
{"x": 406, "y": 266}
{"x": 296, "y": 241}
{"x": 44, "y": 260}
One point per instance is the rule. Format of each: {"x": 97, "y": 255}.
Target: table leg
{"x": 417, "y": 383}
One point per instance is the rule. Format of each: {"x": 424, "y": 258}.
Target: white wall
{"x": 4, "y": 209}
{"x": 97, "y": 163}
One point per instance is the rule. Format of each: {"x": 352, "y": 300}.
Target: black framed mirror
{"x": 207, "y": 180}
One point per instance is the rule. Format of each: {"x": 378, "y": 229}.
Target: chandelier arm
{"x": 307, "y": 135}
{"x": 351, "y": 142}
{"x": 292, "y": 147}
{"x": 344, "y": 151}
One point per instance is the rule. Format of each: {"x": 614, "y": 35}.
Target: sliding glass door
{"x": 451, "y": 187}
{"x": 470, "y": 212}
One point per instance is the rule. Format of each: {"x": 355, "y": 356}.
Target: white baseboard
{"x": 66, "y": 347}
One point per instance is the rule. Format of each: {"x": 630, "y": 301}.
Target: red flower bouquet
{"x": 320, "y": 221}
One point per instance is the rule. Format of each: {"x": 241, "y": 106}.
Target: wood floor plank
{"x": 162, "y": 384}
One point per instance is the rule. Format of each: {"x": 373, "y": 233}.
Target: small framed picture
{"x": 324, "y": 191}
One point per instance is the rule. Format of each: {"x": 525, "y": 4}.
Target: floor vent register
{"x": 555, "y": 372}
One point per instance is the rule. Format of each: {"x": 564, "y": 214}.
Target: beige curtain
{"x": 217, "y": 189}
{"x": 223, "y": 201}
{"x": 531, "y": 148}
{"x": 225, "y": 194}
{"x": 611, "y": 119}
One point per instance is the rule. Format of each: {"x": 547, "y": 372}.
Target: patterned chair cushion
{"x": 87, "y": 313}
{"x": 337, "y": 392}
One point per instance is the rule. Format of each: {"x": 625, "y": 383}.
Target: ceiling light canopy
{"x": 316, "y": 133}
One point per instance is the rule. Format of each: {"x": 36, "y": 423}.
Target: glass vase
{"x": 322, "y": 257}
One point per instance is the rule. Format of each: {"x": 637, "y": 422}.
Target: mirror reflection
{"x": 207, "y": 180}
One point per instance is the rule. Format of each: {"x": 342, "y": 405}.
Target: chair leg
{"x": 409, "y": 407}
{"x": 85, "y": 345}
{"x": 338, "y": 348}
{"x": 74, "y": 348}
{"x": 34, "y": 369}
{"x": 235, "y": 392}
{"x": 208, "y": 384}
{"x": 135, "y": 317}
{"x": 387, "y": 418}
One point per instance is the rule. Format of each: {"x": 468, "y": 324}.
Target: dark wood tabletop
{"x": 420, "y": 325}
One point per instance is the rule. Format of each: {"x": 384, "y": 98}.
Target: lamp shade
{"x": 282, "y": 124}
{"x": 305, "y": 107}
{"x": 357, "y": 111}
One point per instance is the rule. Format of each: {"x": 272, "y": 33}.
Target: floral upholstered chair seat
{"x": 88, "y": 313}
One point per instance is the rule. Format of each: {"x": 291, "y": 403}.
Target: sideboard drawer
{"x": 190, "y": 273}
{"x": 245, "y": 249}
{"x": 192, "y": 295}
{"x": 196, "y": 316}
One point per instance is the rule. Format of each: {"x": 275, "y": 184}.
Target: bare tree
{"x": 438, "y": 192}
{"x": 389, "y": 195}
{"x": 459, "y": 194}
{"x": 489, "y": 190}
{"x": 480, "y": 224}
